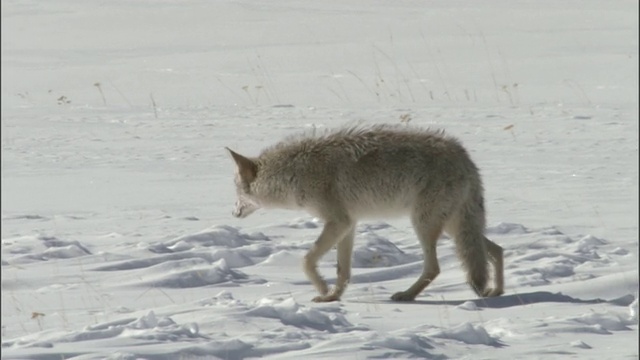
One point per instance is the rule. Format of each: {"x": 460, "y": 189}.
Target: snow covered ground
{"x": 117, "y": 235}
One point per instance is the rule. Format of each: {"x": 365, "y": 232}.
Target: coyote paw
{"x": 403, "y": 296}
{"x": 326, "y": 298}
{"x": 492, "y": 292}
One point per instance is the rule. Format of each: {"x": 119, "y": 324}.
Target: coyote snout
{"x": 366, "y": 172}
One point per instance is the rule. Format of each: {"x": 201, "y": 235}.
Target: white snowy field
{"x": 117, "y": 235}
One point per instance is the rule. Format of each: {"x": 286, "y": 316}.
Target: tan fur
{"x": 378, "y": 171}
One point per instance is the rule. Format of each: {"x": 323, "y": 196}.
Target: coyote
{"x": 361, "y": 172}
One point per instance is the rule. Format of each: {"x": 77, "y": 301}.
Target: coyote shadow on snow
{"x": 511, "y": 300}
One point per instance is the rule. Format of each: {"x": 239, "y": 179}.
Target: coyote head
{"x": 246, "y": 173}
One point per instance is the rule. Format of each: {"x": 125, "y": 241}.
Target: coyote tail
{"x": 470, "y": 243}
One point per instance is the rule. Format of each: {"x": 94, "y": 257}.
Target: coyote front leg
{"x": 345, "y": 249}
{"x": 332, "y": 232}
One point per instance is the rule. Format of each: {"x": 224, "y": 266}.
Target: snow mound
{"x": 607, "y": 321}
{"x": 223, "y": 299}
{"x": 468, "y": 334}
{"x": 580, "y": 345}
{"x": 373, "y": 226}
{"x": 301, "y": 223}
{"x": 232, "y": 349}
{"x": 220, "y": 236}
{"x": 28, "y": 249}
{"x": 415, "y": 345}
{"x": 219, "y": 243}
{"x": 289, "y": 312}
{"x": 556, "y": 258}
{"x": 468, "y": 305}
{"x": 588, "y": 244}
{"x": 188, "y": 273}
{"x": 506, "y": 228}
{"x": 147, "y": 327}
{"x": 233, "y": 258}
{"x": 379, "y": 252}
{"x": 25, "y": 217}
{"x": 283, "y": 258}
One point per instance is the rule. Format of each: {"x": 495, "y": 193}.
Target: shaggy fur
{"x": 350, "y": 174}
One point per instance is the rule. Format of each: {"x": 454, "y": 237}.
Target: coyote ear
{"x": 246, "y": 167}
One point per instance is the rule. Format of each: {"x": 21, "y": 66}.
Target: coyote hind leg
{"x": 497, "y": 260}
{"x": 428, "y": 232}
